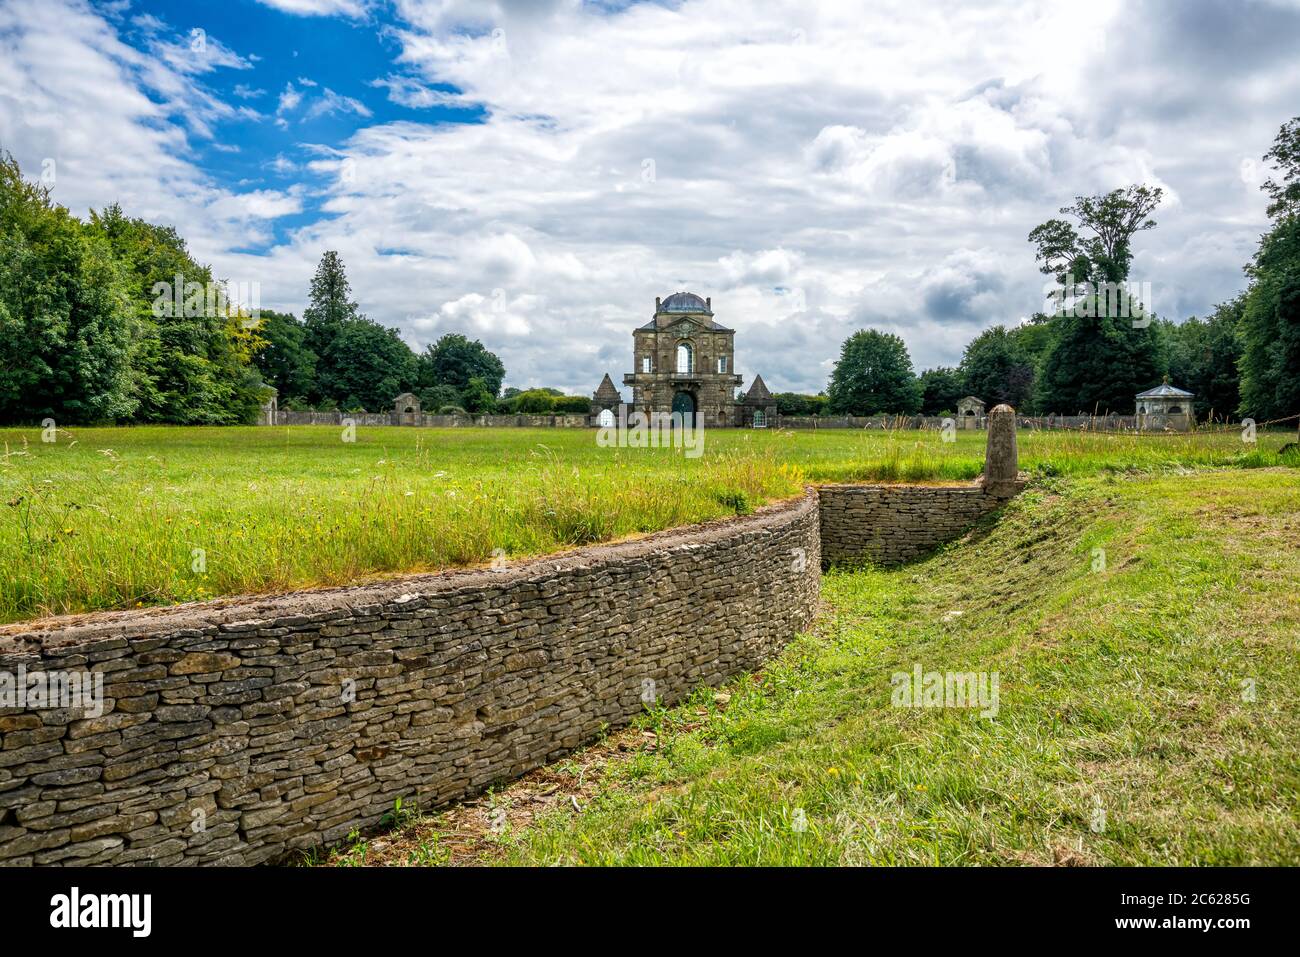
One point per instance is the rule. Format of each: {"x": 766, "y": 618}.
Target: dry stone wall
{"x": 889, "y": 524}
{"x": 235, "y": 732}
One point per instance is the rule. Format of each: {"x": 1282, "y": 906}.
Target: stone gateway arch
{"x": 684, "y": 362}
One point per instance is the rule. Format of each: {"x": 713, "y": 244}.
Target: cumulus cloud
{"x": 320, "y": 8}
{"x": 115, "y": 124}
{"x": 813, "y": 168}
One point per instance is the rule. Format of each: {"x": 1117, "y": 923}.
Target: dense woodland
{"x": 91, "y": 332}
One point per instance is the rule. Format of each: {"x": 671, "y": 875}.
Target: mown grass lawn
{"x": 1144, "y": 630}
{"x": 118, "y": 518}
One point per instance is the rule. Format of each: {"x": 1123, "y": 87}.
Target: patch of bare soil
{"x": 470, "y": 833}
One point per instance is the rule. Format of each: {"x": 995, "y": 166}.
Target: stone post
{"x": 1001, "y": 458}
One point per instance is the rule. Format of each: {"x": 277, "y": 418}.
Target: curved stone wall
{"x": 891, "y": 524}
{"x": 235, "y": 731}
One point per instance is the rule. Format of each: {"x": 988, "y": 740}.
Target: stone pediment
{"x": 685, "y": 326}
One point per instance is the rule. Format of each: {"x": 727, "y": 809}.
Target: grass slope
{"x": 1126, "y": 732}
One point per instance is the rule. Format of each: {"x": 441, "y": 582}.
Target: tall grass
{"x": 119, "y": 518}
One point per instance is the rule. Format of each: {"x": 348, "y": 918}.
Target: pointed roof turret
{"x": 758, "y": 394}
{"x": 606, "y": 392}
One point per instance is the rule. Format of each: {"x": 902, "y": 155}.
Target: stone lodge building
{"x": 685, "y": 362}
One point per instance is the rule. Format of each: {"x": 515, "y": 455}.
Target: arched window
{"x": 606, "y": 418}
{"x": 685, "y": 358}
{"x": 760, "y": 419}
{"x": 1175, "y": 410}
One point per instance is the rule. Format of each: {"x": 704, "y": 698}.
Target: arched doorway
{"x": 606, "y": 418}
{"x": 684, "y": 405}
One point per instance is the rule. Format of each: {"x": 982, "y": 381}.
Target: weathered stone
{"x": 197, "y": 663}
{"x": 350, "y": 698}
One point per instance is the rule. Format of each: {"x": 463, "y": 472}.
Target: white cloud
{"x": 406, "y": 91}
{"x": 118, "y": 126}
{"x": 320, "y": 8}
{"x": 330, "y": 102}
{"x": 813, "y": 168}
{"x": 289, "y": 99}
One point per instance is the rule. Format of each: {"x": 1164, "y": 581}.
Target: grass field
{"x": 118, "y": 518}
{"x": 1149, "y": 709}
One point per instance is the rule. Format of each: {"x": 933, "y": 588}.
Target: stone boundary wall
{"x": 1099, "y": 423}
{"x": 431, "y": 421}
{"x": 236, "y": 731}
{"x": 890, "y": 524}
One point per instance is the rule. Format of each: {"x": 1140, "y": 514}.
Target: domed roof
{"x": 685, "y": 302}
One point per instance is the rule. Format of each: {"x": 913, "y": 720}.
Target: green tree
{"x": 1270, "y": 326}
{"x": 795, "y": 403}
{"x": 433, "y": 398}
{"x": 192, "y": 354}
{"x": 66, "y": 318}
{"x": 1269, "y": 330}
{"x": 478, "y": 397}
{"x": 1203, "y": 358}
{"x": 1103, "y": 252}
{"x": 455, "y": 360}
{"x": 366, "y": 366}
{"x": 1284, "y": 197}
{"x": 940, "y": 389}
{"x": 284, "y": 360}
{"x": 329, "y": 309}
{"x": 1103, "y": 348}
{"x": 572, "y": 405}
{"x": 873, "y": 376}
{"x": 1098, "y": 364}
{"x": 531, "y": 402}
{"x": 994, "y": 369}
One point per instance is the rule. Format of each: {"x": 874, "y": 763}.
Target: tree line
{"x": 1101, "y": 346}
{"x": 337, "y": 358}
{"x": 111, "y": 320}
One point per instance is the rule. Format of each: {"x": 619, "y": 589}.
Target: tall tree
{"x": 873, "y": 376}
{"x": 329, "y": 308}
{"x": 66, "y": 317}
{"x": 455, "y": 361}
{"x": 1269, "y": 330}
{"x": 366, "y": 366}
{"x": 1104, "y": 349}
{"x": 1103, "y": 251}
{"x": 940, "y": 389}
{"x": 1203, "y": 358}
{"x": 994, "y": 369}
{"x": 284, "y": 360}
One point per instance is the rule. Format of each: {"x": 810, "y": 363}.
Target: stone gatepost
{"x": 1001, "y": 457}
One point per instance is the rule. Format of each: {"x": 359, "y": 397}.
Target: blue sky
{"x": 533, "y": 173}
{"x": 286, "y": 60}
